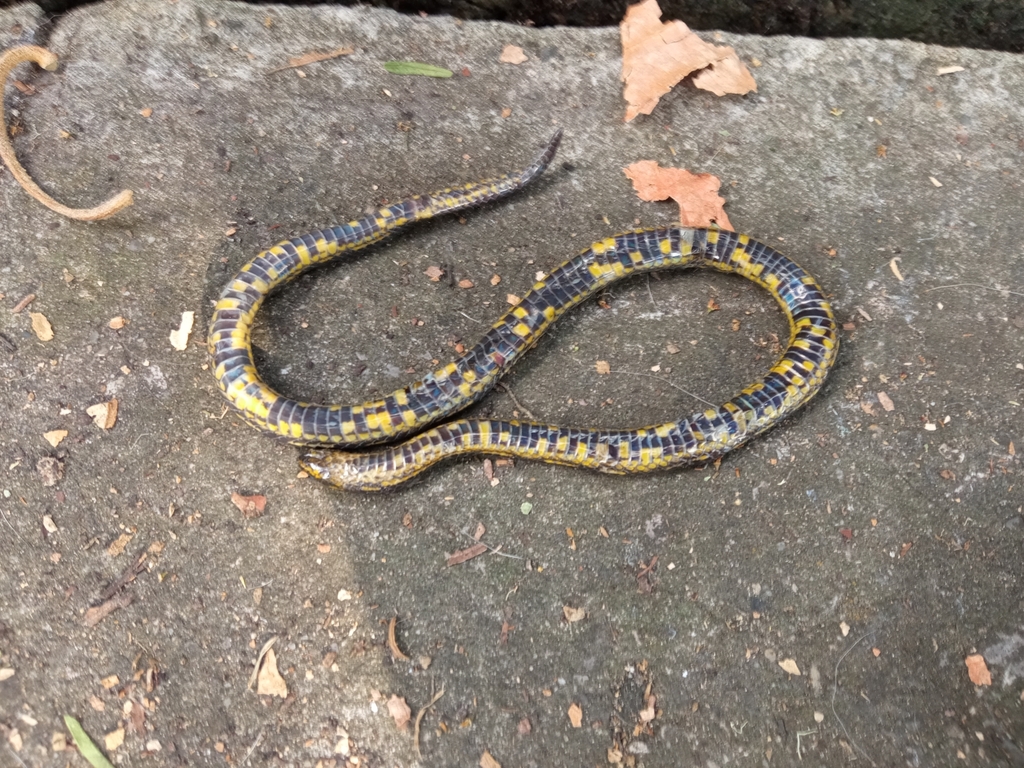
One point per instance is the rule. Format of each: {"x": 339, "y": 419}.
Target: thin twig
{"x": 835, "y": 686}
{"x": 508, "y": 391}
{"x": 259, "y": 738}
{"x": 798, "y": 735}
{"x": 663, "y": 380}
{"x": 478, "y": 322}
{"x": 20, "y": 761}
{"x": 974, "y": 285}
{"x": 493, "y": 550}
{"x": 6, "y": 520}
{"x": 8, "y": 61}
{"x": 419, "y": 719}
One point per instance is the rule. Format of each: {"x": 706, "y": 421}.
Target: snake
{"x": 408, "y": 414}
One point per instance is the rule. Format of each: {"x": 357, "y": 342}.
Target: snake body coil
{"x": 794, "y": 379}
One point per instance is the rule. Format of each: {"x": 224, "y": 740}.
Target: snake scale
{"x": 794, "y": 378}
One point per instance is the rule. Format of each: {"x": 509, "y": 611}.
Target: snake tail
{"x": 399, "y": 414}
{"x": 795, "y": 377}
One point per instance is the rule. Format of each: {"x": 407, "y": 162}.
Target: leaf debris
{"x": 512, "y": 54}
{"x": 790, "y": 666}
{"x": 399, "y": 711}
{"x": 41, "y": 326}
{"x": 268, "y": 680}
{"x": 977, "y": 669}
{"x": 656, "y": 56}
{"x": 312, "y": 57}
{"x": 696, "y": 193}
{"x": 104, "y": 415}
{"x": 55, "y": 436}
{"x": 575, "y": 713}
{"x": 466, "y": 554}
{"x": 179, "y": 337}
{"x": 250, "y": 506}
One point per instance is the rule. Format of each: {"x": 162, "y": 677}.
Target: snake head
{"x": 317, "y": 464}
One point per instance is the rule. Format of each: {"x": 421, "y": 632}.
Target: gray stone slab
{"x": 904, "y": 526}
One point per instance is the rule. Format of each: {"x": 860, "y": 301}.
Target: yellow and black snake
{"x": 795, "y": 378}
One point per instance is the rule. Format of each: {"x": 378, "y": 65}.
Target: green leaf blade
{"x": 416, "y": 68}
{"x": 86, "y": 747}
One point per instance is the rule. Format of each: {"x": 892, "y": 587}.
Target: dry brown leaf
{"x": 108, "y": 682}
{"x": 179, "y": 337}
{"x": 41, "y": 326}
{"x": 146, "y": 112}
{"x": 116, "y": 323}
{"x": 466, "y": 554}
{"x": 50, "y": 469}
{"x": 789, "y": 665}
{"x": 114, "y": 739}
{"x": 488, "y": 761}
{"x": 6, "y": 673}
{"x": 104, "y": 415}
{"x": 137, "y": 717}
{"x": 512, "y": 54}
{"x": 434, "y": 272}
{"x": 886, "y": 401}
{"x": 602, "y": 367}
{"x": 400, "y": 711}
{"x": 53, "y": 437}
{"x": 575, "y": 715}
{"x": 977, "y": 669}
{"x": 656, "y": 56}
{"x": 312, "y": 57}
{"x": 647, "y": 713}
{"x": 573, "y": 615}
{"x": 117, "y": 545}
{"x": 465, "y": 283}
{"x": 269, "y": 681}
{"x": 251, "y": 506}
{"x": 696, "y": 193}
{"x": 727, "y": 75}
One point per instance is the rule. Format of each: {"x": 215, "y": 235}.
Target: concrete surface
{"x": 875, "y": 548}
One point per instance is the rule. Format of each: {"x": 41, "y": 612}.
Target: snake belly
{"x": 794, "y": 378}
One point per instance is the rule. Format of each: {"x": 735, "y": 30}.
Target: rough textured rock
{"x": 898, "y": 525}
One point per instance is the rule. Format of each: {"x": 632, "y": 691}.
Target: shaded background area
{"x": 995, "y": 24}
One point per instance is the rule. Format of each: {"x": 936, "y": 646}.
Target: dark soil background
{"x": 994, "y": 24}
